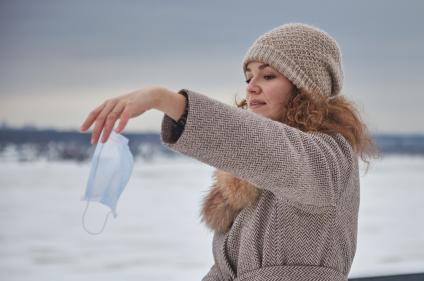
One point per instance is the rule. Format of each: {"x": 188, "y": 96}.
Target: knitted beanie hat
{"x": 309, "y": 57}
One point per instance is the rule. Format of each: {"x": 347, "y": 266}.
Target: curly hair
{"x": 330, "y": 115}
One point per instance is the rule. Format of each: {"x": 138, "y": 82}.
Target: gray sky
{"x": 60, "y": 59}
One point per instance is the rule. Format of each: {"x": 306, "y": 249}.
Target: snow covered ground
{"x": 157, "y": 234}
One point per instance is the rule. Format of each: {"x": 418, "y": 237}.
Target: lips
{"x": 256, "y": 103}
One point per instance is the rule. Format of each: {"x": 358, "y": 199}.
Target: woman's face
{"x": 270, "y": 88}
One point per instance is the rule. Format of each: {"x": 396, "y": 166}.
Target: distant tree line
{"x": 31, "y": 144}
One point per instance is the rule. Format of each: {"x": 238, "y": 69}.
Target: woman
{"x": 285, "y": 199}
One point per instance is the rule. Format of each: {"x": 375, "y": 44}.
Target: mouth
{"x": 254, "y": 105}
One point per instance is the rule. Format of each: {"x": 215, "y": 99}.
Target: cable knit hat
{"x": 309, "y": 57}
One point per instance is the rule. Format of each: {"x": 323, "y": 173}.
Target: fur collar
{"x": 226, "y": 198}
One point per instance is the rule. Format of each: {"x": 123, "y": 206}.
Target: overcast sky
{"x": 60, "y": 59}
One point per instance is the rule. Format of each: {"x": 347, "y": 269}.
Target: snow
{"x": 391, "y": 226}
{"x": 158, "y": 235}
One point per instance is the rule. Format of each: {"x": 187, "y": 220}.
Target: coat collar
{"x": 226, "y": 198}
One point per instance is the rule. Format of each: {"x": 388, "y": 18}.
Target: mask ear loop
{"x": 85, "y": 227}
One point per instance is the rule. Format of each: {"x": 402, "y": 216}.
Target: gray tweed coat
{"x": 304, "y": 225}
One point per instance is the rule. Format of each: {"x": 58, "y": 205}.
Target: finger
{"x": 100, "y": 120}
{"x": 110, "y": 121}
{"x": 91, "y": 117}
{"x": 123, "y": 120}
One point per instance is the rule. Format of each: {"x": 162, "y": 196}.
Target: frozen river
{"x": 157, "y": 234}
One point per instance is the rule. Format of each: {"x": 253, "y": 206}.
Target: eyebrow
{"x": 262, "y": 66}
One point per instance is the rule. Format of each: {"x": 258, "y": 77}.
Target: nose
{"x": 252, "y": 87}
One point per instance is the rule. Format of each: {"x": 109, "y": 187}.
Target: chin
{"x": 261, "y": 114}
{"x": 264, "y": 114}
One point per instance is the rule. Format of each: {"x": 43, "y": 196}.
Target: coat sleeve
{"x": 177, "y": 127}
{"x": 304, "y": 168}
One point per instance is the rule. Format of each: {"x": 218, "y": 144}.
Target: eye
{"x": 266, "y": 77}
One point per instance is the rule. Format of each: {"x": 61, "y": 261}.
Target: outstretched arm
{"x": 308, "y": 169}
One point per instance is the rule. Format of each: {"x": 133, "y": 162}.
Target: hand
{"x": 122, "y": 107}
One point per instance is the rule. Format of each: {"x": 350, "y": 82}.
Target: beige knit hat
{"x": 309, "y": 57}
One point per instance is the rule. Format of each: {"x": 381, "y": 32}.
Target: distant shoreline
{"x": 30, "y": 143}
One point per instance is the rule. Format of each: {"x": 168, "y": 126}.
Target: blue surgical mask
{"x": 111, "y": 168}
